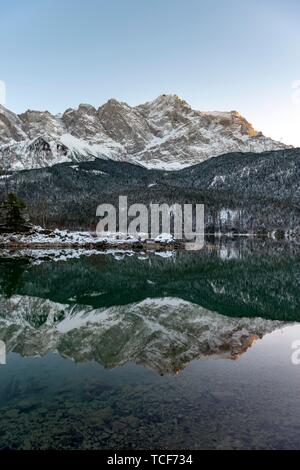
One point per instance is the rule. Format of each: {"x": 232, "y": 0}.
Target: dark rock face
{"x": 13, "y": 215}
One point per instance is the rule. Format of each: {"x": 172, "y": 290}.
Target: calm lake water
{"x": 189, "y": 350}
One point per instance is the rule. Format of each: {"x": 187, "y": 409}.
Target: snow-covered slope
{"x": 165, "y": 133}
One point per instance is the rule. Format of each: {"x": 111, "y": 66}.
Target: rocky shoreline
{"x": 38, "y": 238}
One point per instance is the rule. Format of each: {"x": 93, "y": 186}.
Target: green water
{"x": 122, "y": 351}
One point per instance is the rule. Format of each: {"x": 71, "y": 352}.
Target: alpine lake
{"x": 177, "y": 350}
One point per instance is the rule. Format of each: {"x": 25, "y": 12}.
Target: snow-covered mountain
{"x": 165, "y": 133}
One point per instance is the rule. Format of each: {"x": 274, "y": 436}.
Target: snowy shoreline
{"x": 39, "y": 238}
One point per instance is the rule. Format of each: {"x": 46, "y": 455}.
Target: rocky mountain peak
{"x": 164, "y": 103}
{"x": 88, "y": 108}
{"x": 11, "y": 126}
{"x": 163, "y": 133}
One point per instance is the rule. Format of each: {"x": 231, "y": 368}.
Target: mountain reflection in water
{"x": 164, "y": 334}
{"x": 153, "y": 316}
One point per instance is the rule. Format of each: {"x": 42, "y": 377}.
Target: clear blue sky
{"x": 216, "y": 54}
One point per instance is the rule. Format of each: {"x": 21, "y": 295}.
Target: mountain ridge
{"x": 165, "y": 133}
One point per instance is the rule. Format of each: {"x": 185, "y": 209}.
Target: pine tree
{"x": 15, "y": 214}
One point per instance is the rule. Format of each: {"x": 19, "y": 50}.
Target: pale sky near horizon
{"x": 217, "y": 55}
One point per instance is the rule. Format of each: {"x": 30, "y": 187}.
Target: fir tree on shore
{"x": 13, "y": 215}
